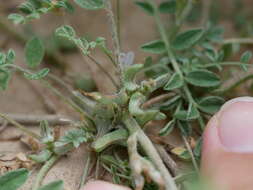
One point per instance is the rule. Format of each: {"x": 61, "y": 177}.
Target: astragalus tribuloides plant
{"x": 182, "y": 86}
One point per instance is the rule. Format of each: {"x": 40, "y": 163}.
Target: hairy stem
{"x": 43, "y": 171}
{"x": 86, "y": 170}
{"x": 104, "y": 71}
{"x": 194, "y": 162}
{"x": 35, "y": 119}
{"x": 170, "y": 53}
{"x": 238, "y": 41}
{"x": 150, "y": 150}
{"x": 19, "y": 126}
{"x": 234, "y": 85}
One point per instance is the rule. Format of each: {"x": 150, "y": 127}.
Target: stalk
{"x": 44, "y": 170}
{"x": 150, "y": 150}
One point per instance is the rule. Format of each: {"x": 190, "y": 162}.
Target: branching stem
{"x": 19, "y": 126}
{"x": 150, "y": 150}
{"x": 43, "y": 171}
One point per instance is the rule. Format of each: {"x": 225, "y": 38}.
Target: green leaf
{"x": 46, "y": 132}
{"x": 42, "y": 157}
{"x": 56, "y": 185}
{"x": 175, "y": 82}
{"x": 10, "y": 56}
{"x": 75, "y": 137}
{"x": 91, "y": 4}
{"x": 211, "y": 104}
{"x": 16, "y": 18}
{"x": 129, "y": 75}
{"x": 13, "y": 180}
{"x": 110, "y": 138}
{"x": 34, "y": 52}
{"x": 184, "y": 127}
{"x": 66, "y": 5}
{"x": 168, "y": 7}
{"x": 197, "y": 148}
{"x": 203, "y": 78}
{"x": 168, "y": 128}
{"x": 156, "y": 46}
{"x": 2, "y": 58}
{"x": 170, "y": 103}
{"x": 37, "y": 76}
{"x": 187, "y": 39}
{"x": 27, "y": 7}
{"x": 4, "y": 79}
{"x": 66, "y": 31}
{"x": 246, "y": 56}
{"x": 147, "y": 7}
{"x": 192, "y": 112}
{"x": 180, "y": 6}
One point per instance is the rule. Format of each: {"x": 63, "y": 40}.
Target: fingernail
{"x": 235, "y": 125}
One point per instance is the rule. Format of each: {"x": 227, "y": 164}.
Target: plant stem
{"x": 234, "y": 85}
{"x": 228, "y": 63}
{"x": 118, "y": 20}
{"x": 170, "y": 53}
{"x": 104, "y": 71}
{"x": 19, "y": 126}
{"x": 194, "y": 162}
{"x": 170, "y": 163}
{"x": 238, "y": 41}
{"x": 205, "y": 12}
{"x": 43, "y": 171}
{"x": 150, "y": 150}
{"x": 21, "y": 38}
{"x": 114, "y": 31}
{"x": 158, "y": 99}
{"x": 35, "y": 119}
{"x": 86, "y": 170}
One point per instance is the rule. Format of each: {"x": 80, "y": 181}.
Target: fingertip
{"x": 102, "y": 185}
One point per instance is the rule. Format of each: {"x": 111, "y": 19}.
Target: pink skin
{"x": 227, "y": 158}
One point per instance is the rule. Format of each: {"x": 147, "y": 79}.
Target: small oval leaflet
{"x": 168, "y": 7}
{"x": 156, "y": 46}
{"x": 147, "y": 7}
{"x": 65, "y": 31}
{"x": 14, "y": 179}
{"x": 34, "y": 52}
{"x": 4, "y": 79}
{"x": 187, "y": 39}
{"x": 37, "y": 76}
{"x": 168, "y": 128}
{"x": 203, "y": 78}
{"x": 211, "y": 104}
{"x": 91, "y": 4}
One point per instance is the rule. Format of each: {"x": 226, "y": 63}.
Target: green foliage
{"x": 184, "y": 62}
{"x": 4, "y": 79}
{"x": 74, "y": 137}
{"x": 13, "y": 180}
{"x": 175, "y": 82}
{"x": 168, "y": 7}
{"x": 187, "y": 39}
{"x": 156, "y": 46}
{"x": 147, "y": 7}
{"x": 202, "y": 78}
{"x": 37, "y": 76}
{"x": 211, "y": 104}
{"x": 34, "y": 52}
{"x": 56, "y": 185}
{"x": 91, "y": 4}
